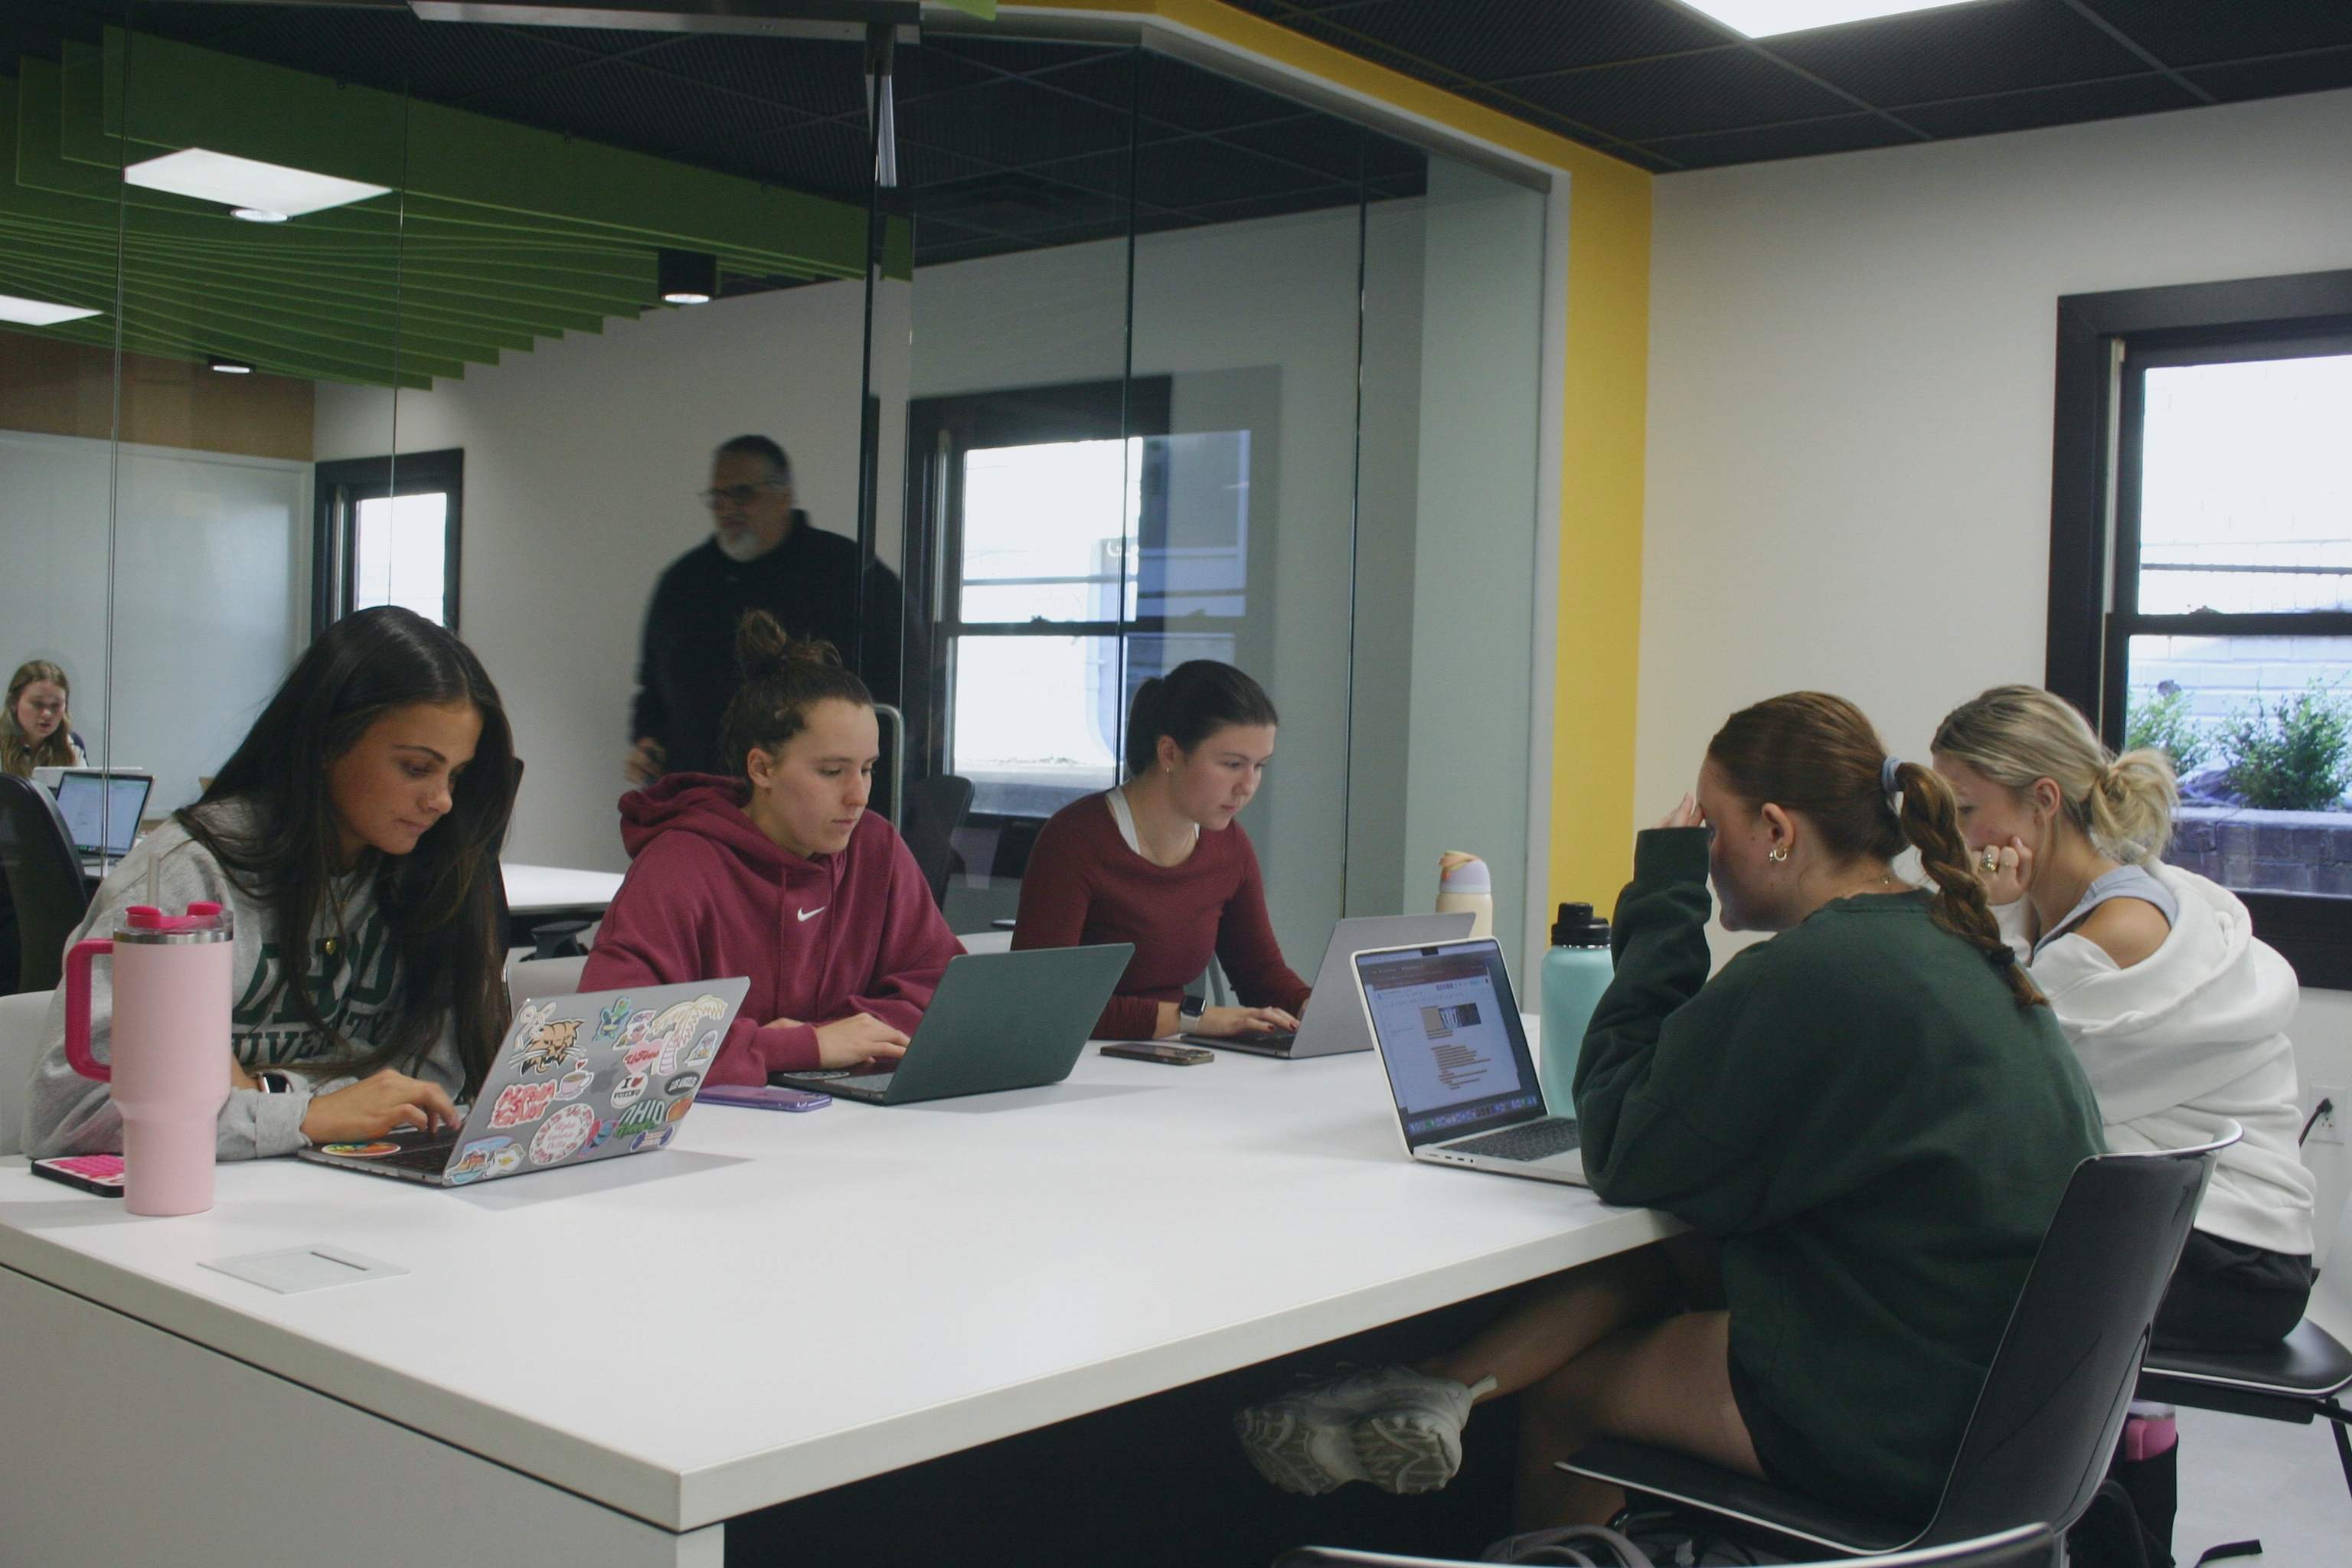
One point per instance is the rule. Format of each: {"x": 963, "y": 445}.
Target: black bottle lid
{"x": 1578, "y": 926}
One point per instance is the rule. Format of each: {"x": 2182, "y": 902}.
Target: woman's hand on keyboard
{"x": 375, "y": 1105}
{"x": 857, "y": 1039}
{"x": 1224, "y": 1023}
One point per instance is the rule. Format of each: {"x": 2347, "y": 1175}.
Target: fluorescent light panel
{"x": 1764, "y": 19}
{"x": 237, "y": 182}
{"x": 38, "y": 312}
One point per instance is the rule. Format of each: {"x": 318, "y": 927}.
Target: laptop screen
{"x": 101, "y": 810}
{"x": 1450, "y": 1038}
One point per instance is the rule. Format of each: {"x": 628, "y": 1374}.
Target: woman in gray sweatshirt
{"x": 354, "y": 838}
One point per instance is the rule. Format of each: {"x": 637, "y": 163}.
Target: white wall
{"x": 583, "y": 459}
{"x": 210, "y": 599}
{"x": 1850, "y": 406}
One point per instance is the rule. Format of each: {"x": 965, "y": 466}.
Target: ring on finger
{"x": 1991, "y": 861}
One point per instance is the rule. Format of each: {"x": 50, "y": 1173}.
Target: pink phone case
{"x": 763, "y": 1097}
{"x": 99, "y": 1173}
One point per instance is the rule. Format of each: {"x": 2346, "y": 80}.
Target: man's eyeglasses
{"x": 736, "y": 495}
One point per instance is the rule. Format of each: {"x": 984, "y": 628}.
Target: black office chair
{"x": 936, "y": 807}
{"x": 44, "y": 880}
{"x": 2053, "y": 1402}
{"x": 2302, "y": 1380}
{"x": 2028, "y": 1546}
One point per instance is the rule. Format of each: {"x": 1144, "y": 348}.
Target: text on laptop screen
{"x": 101, "y": 813}
{"x": 1450, "y": 1038}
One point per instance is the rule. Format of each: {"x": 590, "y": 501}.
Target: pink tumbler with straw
{"x": 169, "y": 1060}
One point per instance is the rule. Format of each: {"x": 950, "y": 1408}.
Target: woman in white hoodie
{"x": 2178, "y": 1014}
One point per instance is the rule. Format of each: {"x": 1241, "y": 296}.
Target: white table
{"x": 553, "y": 890}
{"x": 599, "y": 1365}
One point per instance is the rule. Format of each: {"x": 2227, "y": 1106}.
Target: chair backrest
{"x": 935, "y": 808}
{"x": 22, "y": 1017}
{"x": 44, "y": 880}
{"x": 2053, "y": 1402}
{"x": 2028, "y": 1546}
{"x": 529, "y": 977}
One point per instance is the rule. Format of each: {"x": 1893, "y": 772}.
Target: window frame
{"x": 2106, "y": 343}
{"x": 337, "y": 488}
{"x": 940, "y": 431}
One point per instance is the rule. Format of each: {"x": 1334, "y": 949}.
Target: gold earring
{"x": 1776, "y": 856}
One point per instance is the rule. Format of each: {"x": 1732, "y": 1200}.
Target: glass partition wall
{"x": 1118, "y": 363}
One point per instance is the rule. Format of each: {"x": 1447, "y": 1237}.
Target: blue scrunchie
{"x": 1888, "y": 784}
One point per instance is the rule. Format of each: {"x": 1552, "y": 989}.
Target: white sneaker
{"x": 1393, "y": 1425}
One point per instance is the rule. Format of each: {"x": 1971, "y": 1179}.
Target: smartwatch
{"x": 1189, "y": 1013}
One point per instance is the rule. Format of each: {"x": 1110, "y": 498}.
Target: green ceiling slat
{"x": 494, "y": 237}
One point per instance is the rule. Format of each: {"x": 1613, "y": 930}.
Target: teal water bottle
{"x": 1575, "y": 973}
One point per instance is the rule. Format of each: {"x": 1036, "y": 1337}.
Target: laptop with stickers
{"x": 582, "y": 1078}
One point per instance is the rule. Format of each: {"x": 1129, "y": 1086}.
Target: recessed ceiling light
{"x": 686, "y": 277}
{"x": 1764, "y": 19}
{"x": 38, "y": 312}
{"x": 247, "y": 183}
{"x": 227, "y": 367}
{"x": 256, "y": 215}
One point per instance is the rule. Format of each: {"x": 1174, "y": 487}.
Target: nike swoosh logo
{"x": 818, "y": 911}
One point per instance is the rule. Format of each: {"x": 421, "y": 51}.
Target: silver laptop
{"x": 101, "y": 809}
{"x": 1334, "y": 1028}
{"x": 1448, "y": 1031}
{"x": 582, "y": 1078}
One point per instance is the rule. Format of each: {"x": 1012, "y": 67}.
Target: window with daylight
{"x": 386, "y": 532}
{"x": 2223, "y": 598}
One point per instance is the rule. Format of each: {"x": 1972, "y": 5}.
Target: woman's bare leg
{"x": 1667, "y": 1384}
{"x": 1561, "y": 1317}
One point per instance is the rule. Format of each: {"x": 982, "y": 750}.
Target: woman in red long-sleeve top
{"x": 1160, "y": 862}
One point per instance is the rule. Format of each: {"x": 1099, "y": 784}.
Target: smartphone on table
{"x": 99, "y": 1173}
{"x": 1161, "y": 1052}
{"x": 763, "y": 1097}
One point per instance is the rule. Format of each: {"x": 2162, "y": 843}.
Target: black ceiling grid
{"x": 1008, "y": 144}
{"x": 1658, "y": 85}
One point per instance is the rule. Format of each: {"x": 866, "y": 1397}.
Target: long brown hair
{"x": 18, "y": 753}
{"x": 1815, "y": 754}
{"x": 442, "y": 902}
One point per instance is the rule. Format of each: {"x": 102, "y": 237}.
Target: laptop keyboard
{"x": 1536, "y": 1141}
{"x": 424, "y": 1157}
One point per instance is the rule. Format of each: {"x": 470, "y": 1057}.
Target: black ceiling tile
{"x": 922, "y": 69}
{"x": 1808, "y": 138}
{"x": 2276, "y": 78}
{"x": 1486, "y": 42}
{"x": 1502, "y": 102}
{"x": 1188, "y": 173}
{"x": 826, "y": 158}
{"x": 2068, "y": 105}
{"x": 921, "y": 164}
{"x": 1643, "y": 158}
{"x": 1387, "y": 155}
{"x": 1692, "y": 94}
{"x": 1017, "y": 203}
{"x": 816, "y": 76}
{"x": 1106, "y": 174}
{"x": 1016, "y": 56}
{"x": 1012, "y": 121}
{"x": 1328, "y": 146}
{"x": 2202, "y": 32}
{"x": 1958, "y": 52}
{"x": 1172, "y": 91}
{"x": 617, "y": 104}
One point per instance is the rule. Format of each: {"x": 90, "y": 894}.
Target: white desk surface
{"x": 781, "y": 1303}
{"x": 533, "y": 887}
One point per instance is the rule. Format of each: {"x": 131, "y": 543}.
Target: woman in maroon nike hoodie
{"x": 779, "y": 873}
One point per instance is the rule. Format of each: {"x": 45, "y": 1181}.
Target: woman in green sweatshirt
{"x": 1868, "y": 1122}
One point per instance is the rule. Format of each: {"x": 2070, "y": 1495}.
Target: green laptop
{"x": 998, "y": 1021}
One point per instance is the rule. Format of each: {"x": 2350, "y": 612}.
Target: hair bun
{"x": 762, "y": 647}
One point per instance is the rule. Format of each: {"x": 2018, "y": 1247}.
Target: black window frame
{"x": 940, "y": 431}
{"x": 337, "y": 488}
{"x": 2106, "y": 343}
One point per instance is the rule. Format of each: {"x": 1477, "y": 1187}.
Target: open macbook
{"x": 101, "y": 810}
{"x": 1334, "y": 1027}
{"x": 1448, "y": 1031}
{"x": 999, "y": 1020}
{"x": 582, "y": 1077}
